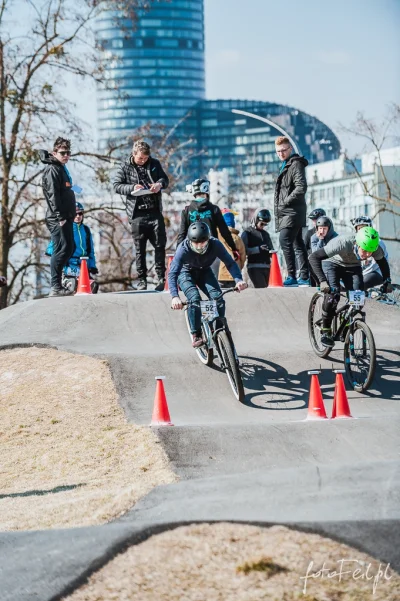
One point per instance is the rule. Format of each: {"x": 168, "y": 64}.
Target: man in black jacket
{"x": 290, "y": 211}
{"x": 258, "y": 245}
{"x": 61, "y": 209}
{"x": 141, "y": 173}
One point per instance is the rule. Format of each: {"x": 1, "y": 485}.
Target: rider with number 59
{"x": 191, "y": 269}
{"x": 342, "y": 258}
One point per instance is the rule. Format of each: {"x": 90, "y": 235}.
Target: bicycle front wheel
{"x": 315, "y": 325}
{"x": 205, "y": 354}
{"x": 231, "y": 365}
{"x": 360, "y": 356}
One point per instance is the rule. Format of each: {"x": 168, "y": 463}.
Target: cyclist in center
{"x": 191, "y": 269}
{"x": 339, "y": 260}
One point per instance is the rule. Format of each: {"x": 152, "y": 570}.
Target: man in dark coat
{"x": 141, "y": 172}
{"x": 290, "y": 211}
{"x": 61, "y": 209}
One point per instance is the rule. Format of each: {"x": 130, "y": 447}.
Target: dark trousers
{"x": 190, "y": 282}
{"x": 149, "y": 227}
{"x": 63, "y": 248}
{"x": 372, "y": 279}
{"x": 292, "y": 245}
{"x": 352, "y": 279}
{"x": 259, "y": 276}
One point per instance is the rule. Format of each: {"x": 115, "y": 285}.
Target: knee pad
{"x": 330, "y": 303}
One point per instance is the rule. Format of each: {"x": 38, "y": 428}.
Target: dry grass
{"x": 68, "y": 456}
{"x": 206, "y": 563}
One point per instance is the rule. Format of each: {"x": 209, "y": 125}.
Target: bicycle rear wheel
{"x": 205, "y": 354}
{"x": 231, "y": 365}
{"x": 315, "y": 325}
{"x": 359, "y": 356}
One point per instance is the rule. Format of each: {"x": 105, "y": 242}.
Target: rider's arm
{"x": 384, "y": 267}
{"x": 223, "y": 229}
{"x": 229, "y": 261}
{"x": 174, "y": 271}
{"x": 183, "y": 228}
{"x": 315, "y": 260}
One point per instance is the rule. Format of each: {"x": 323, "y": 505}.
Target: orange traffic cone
{"x": 160, "y": 415}
{"x": 166, "y": 287}
{"x": 84, "y": 280}
{"x": 341, "y": 406}
{"x": 316, "y": 408}
{"x": 275, "y": 276}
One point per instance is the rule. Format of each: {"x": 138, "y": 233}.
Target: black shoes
{"x": 142, "y": 285}
{"x": 326, "y": 337}
{"x": 160, "y": 285}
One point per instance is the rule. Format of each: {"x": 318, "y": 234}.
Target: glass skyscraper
{"x": 155, "y": 71}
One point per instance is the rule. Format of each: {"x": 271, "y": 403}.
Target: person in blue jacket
{"x": 83, "y": 243}
{"x": 191, "y": 269}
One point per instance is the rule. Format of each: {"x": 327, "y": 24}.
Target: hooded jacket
{"x": 83, "y": 246}
{"x": 290, "y": 194}
{"x": 57, "y": 190}
{"x": 223, "y": 273}
{"x": 127, "y": 177}
{"x": 317, "y": 243}
{"x": 204, "y": 210}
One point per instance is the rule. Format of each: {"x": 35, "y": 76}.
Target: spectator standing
{"x": 60, "y": 214}
{"x": 258, "y": 243}
{"x": 140, "y": 173}
{"x": 290, "y": 211}
{"x": 224, "y": 277}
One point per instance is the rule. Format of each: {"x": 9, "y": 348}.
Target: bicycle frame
{"x": 350, "y": 316}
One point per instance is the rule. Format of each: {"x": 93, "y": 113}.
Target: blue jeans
{"x": 190, "y": 282}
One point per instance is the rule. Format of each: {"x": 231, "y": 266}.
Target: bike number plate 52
{"x": 209, "y": 309}
{"x": 356, "y": 297}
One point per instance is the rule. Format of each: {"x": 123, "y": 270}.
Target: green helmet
{"x": 368, "y": 239}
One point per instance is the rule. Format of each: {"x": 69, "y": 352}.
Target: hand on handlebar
{"x": 240, "y": 286}
{"x": 324, "y": 287}
{"x": 176, "y": 303}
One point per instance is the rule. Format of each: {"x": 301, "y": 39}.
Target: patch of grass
{"x": 265, "y": 564}
{"x": 55, "y": 421}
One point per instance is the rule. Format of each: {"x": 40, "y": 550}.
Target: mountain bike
{"x": 217, "y": 337}
{"x": 348, "y": 326}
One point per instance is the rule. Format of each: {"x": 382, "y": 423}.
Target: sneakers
{"x": 302, "y": 282}
{"x": 326, "y": 337}
{"x": 142, "y": 285}
{"x": 290, "y": 282}
{"x": 160, "y": 285}
{"x": 197, "y": 341}
{"x": 60, "y": 292}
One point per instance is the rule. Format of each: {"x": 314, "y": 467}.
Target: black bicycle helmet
{"x": 198, "y": 232}
{"x": 324, "y": 221}
{"x": 264, "y": 215}
{"x": 316, "y": 213}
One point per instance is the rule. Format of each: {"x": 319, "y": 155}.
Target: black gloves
{"x": 93, "y": 270}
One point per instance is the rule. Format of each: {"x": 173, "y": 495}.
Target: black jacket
{"x": 57, "y": 191}
{"x": 307, "y": 239}
{"x": 253, "y": 238}
{"x": 290, "y": 192}
{"x": 211, "y": 215}
{"x": 127, "y": 177}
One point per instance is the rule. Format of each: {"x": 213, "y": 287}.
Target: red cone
{"x": 84, "y": 280}
{"x": 275, "y": 276}
{"x": 160, "y": 412}
{"x": 166, "y": 287}
{"x": 341, "y": 406}
{"x": 316, "y": 408}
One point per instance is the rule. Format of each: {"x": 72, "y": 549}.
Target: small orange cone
{"x": 316, "y": 408}
{"x": 275, "y": 276}
{"x": 166, "y": 287}
{"x": 160, "y": 415}
{"x": 84, "y": 280}
{"x": 341, "y": 406}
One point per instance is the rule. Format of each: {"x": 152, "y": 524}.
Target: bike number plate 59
{"x": 356, "y": 297}
{"x": 209, "y": 309}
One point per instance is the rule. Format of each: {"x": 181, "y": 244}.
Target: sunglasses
{"x": 79, "y": 214}
{"x": 64, "y": 153}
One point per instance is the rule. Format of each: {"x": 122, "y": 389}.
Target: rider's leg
{"x": 330, "y": 302}
{"x": 372, "y": 279}
{"x": 187, "y": 284}
{"x": 352, "y": 278}
{"x": 208, "y": 284}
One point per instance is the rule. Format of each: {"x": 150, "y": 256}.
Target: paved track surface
{"x": 256, "y": 462}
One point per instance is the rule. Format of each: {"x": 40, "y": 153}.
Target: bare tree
{"x": 55, "y": 40}
{"x": 376, "y": 138}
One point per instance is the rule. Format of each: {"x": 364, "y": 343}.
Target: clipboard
{"x": 142, "y": 192}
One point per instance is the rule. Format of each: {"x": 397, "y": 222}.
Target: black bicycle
{"x": 348, "y": 326}
{"x": 217, "y": 336}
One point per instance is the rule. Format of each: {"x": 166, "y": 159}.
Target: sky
{"x": 330, "y": 59}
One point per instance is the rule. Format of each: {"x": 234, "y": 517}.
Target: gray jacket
{"x": 341, "y": 251}
{"x": 290, "y": 194}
